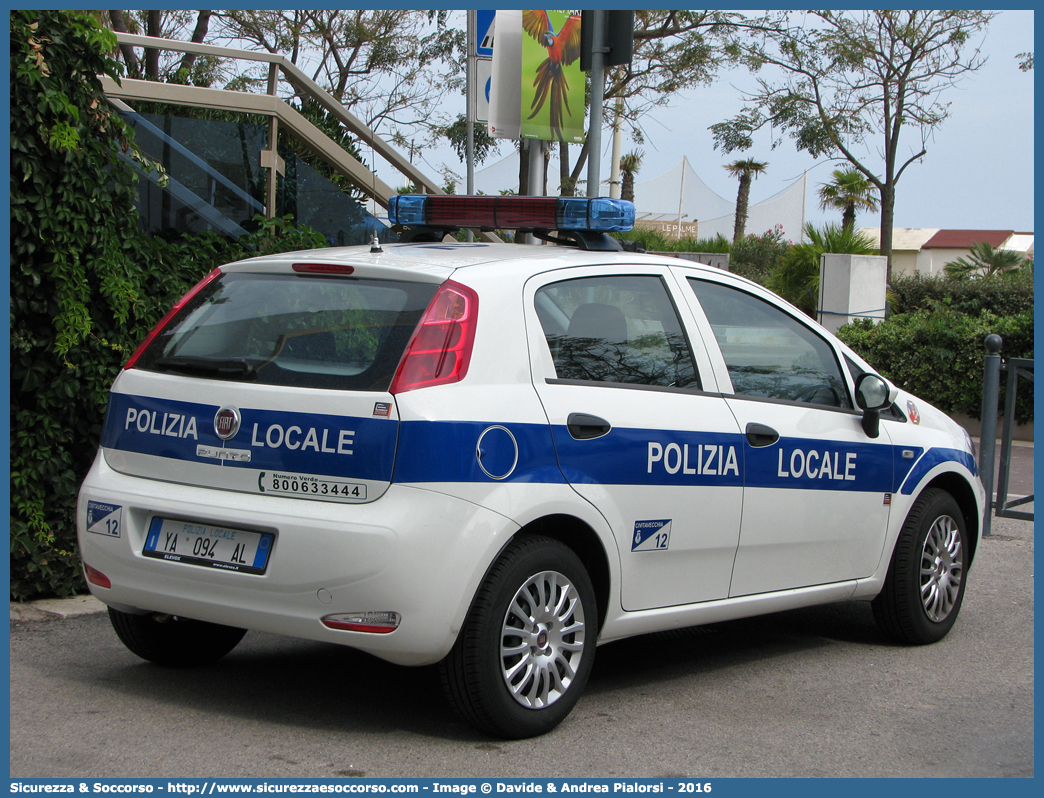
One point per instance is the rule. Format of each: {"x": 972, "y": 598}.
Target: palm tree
{"x": 745, "y": 170}
{"x": 985, "y": 261}
{"x": 797, "y": 277}
{"x": 629, "y": 166}
{"x": 848, "y": 191}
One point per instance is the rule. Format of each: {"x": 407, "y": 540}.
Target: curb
{"x": 54, "y": 609}
{"x": 1022, "y": 444}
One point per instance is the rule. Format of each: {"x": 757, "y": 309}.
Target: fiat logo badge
{"x": 226, "y": 422}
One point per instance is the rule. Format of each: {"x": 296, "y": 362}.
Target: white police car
{"x": 495, "y": 457}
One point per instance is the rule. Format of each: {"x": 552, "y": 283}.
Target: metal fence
{"x": 1015, "y": 369}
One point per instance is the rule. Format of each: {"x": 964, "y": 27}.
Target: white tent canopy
{"x": 681, "y": 192}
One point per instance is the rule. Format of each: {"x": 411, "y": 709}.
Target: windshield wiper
{"x": 216, "y": 366}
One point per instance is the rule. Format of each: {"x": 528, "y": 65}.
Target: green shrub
{"x": 755, "y": 256}
{"x": 938, "y": 354}
{"x": 1002, "y": 296}
{"x": 86, "y": 283}
{"x": 655, "y": 241}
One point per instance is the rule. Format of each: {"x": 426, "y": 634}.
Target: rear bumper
{"x": 416, "y": 552}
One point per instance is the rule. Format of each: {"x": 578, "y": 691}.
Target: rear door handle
{"x": 584, "y": 427}
{"x": 759, "y": 435}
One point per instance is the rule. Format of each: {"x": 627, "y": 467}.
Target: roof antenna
{"x": 375, "y": 242}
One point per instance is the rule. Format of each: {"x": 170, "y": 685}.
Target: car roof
{"x": 436, "y": 261}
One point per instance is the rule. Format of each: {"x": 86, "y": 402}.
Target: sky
{"x": 978, "y": 172}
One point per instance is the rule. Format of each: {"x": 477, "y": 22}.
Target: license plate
{"x": 210, "y": 546}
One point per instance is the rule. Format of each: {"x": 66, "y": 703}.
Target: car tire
{"x": 174, "y": 641}
{"x": 924, "y": 588}
{"x": 527, "y": 646}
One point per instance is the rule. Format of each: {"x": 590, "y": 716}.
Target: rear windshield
{"x": 304, "y": 331}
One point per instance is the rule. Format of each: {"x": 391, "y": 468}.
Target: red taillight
{"x": 322, "y": 268}
{"x": 170, "y": 315}
{"x": 440, "y": 350}
{"x": 96, "y": 577}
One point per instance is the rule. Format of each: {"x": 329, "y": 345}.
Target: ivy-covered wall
{"x": 86, "y": 283}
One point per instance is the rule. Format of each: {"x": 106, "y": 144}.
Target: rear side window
{"x": 302, "y": 331}
{"x": 618, "y": 329}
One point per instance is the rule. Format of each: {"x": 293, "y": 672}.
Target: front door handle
{"x": 584, "y": 427}
{"x": 759, "y": 435}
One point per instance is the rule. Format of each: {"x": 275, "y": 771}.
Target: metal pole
{"x": 273, "y": 148}
{"x": 470, "y": 91}
{"x": 536, "y": 176}
{"x": 988, "y": 435}
{"x": 681, "y": 195}
{"x": 1004, "y": 469}
{"x": 536, "y": 168}
{"x": 594, "y": 130}
{"x": 804, "y": 194}
{"x": 614, "y": 166}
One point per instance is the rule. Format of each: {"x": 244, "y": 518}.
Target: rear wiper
{"x": 217, "y": 366}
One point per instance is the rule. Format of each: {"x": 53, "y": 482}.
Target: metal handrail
{"x": 265, "y": 104}
{"x": 1015, "y": 367}
{"x": 300, "y": 81}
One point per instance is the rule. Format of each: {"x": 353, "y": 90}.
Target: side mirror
{"x": 873, "y": 396}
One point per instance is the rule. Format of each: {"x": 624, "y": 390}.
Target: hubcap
{"x": 542, "y": 640}
{"x": 942, "y": 568}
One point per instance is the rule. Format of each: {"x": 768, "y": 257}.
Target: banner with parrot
{"x": 552, "y": 83}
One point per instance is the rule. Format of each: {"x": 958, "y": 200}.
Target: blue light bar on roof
{"x": 407, "y": 209}
{"x": 596, "y": 214}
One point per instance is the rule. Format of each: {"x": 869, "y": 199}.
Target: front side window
{"x": 769, "y": 353}
{"x": 616, "y": 329}
{"x": 304, "y": 331}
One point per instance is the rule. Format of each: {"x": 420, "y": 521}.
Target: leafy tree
{"x": 170, "y": 67}
{"x": 745, "y": 171}
{"x": 848, "y": 191}
{"x": 796, "y": 279}
{"x": 985, "y": 261}
{"x": 853, "y": 81}
{"x": 673, "y": 51}
{"x": 390, "y": 67}
{"x": 457, "y": 133}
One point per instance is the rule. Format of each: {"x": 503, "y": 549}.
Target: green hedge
{"x": 86, "y": 283}
{"x": 655, "y": 241}
{"x": 938, "y": 354}
{"x": 1002, "y": 295}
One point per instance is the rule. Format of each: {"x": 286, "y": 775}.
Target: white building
{"x": 927, "y": 250}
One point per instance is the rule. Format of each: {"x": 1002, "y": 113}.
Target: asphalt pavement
{"x": 816, "y": 692}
